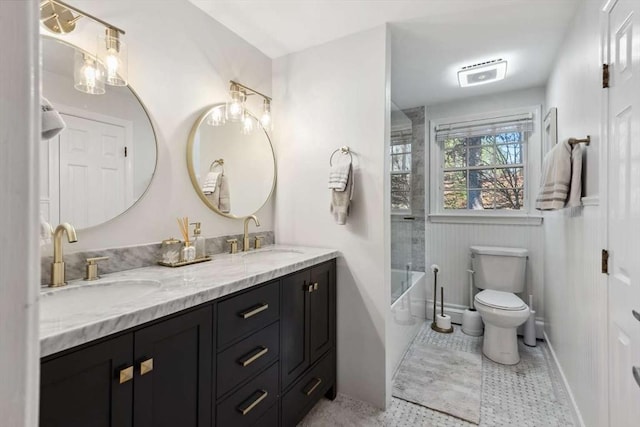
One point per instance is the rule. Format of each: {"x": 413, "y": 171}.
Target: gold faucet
{"x": 245, "y": 240}
{"x": 57, "y": 267}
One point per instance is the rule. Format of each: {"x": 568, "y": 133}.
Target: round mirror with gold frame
{"x": 232, "y": 164}
{"x": 104, "y": 157}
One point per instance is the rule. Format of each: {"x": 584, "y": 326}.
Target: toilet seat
{"x": 500, "y": 300}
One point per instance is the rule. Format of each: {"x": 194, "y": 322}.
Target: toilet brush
{"x": 471, "y": 320}
{"x": 530, "y": 326}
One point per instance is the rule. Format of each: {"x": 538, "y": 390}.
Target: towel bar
{"x": 574, "y": 141}
{"x": 219, "y": 162}
{"x": 344, "y": 150}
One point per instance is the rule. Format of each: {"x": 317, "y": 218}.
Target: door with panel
{"x": 89, "y": 387}
{"x": 173, "y": 372}
{"x": 93, "y": 185}
{"x": 623, "y": 190}
{"x": 321, "y": 311}
{"x": 294, "y": 336}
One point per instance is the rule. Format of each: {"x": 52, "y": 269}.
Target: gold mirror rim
{"x": 192, "y": 174}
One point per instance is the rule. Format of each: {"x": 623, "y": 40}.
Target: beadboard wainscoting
{"x": 576, "y": 307}
{"x": 448, "y": 246}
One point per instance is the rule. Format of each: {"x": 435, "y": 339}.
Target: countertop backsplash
{"x": 128, "y": 258}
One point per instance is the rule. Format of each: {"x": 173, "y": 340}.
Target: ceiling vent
{"x": 482, "y": 73}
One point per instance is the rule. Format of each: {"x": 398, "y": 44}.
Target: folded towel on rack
{"x": 575, "y": 187}
{"x": 210, "y": 182}
{"x": 556, "y": 178}
{"x": 52, "y": 123}
{"x": 341, "y": 200}
{"x": 339, "y": 174}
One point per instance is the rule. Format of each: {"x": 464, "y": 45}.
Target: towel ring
{"x": 218, "y": 162}
{"x": 344, "y": 150}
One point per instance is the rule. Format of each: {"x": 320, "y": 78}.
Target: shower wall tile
{"x": 408, "y": 236}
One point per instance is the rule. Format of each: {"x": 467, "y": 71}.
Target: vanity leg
{"x": 331, "y": 393}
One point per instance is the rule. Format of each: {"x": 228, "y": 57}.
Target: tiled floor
{"x": 529, "y": 394}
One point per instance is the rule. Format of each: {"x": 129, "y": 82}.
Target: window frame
{"x": 409, "y": 172}
{"x": 532, "y": 160}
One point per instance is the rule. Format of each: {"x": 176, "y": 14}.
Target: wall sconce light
{"x": 109, "y": 65}
{"x": 247, "y": 123}
{"x": 88, "y": 74}
{"x": 235, "y": 110}
{"x": 265, "y": 119}
{"x": 235, "y": 107}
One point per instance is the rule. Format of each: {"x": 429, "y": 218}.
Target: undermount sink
{"x": 264, "y": 254}
{"x": 91, "y": 296}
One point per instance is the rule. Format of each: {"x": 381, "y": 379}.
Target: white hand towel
{"x": 225, "y": 199}
{"x": 556, "y": 177}
{"x": 46, "y": 231}
{"x": 210, "y": 182}
{"x": 575, "y": 192}
{"x": 339, "y": 174}
{"x": 341, "y": 200}
{"x": 52, "y": 123}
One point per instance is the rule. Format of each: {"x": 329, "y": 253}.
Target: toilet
{"x": 499, "y": 273}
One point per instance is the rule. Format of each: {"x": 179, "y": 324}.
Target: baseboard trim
{"x": 456, "y": 311}
{"x": 576, "y": 411}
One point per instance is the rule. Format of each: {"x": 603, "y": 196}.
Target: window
{"x": 401, "y": 171}
{"x": 482, "y": 164}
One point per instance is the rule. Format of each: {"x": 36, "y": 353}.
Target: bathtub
{"x": 408, "y": 296}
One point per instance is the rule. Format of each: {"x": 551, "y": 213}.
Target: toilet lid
{"x": 501, "y": 300}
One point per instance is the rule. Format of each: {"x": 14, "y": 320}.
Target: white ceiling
{"x": 431, "y": 39}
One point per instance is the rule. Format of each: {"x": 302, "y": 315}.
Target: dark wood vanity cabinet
{"x": 159, "y": 375}
{"x": 261, "y": 357}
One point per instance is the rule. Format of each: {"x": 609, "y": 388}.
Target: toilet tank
{"x": 499, "y": 268}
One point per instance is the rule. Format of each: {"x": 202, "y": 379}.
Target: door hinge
{"x": 125, "y": 151}
{"x": 605, "y": 76}
{"x": 605, "y": 261}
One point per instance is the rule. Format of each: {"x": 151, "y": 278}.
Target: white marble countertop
{"x": 84, "y": 311}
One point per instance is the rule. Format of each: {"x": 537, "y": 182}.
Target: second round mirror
{"x": 231, "y": 163}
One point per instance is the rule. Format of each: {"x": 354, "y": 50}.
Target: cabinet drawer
{"x": 244, "y": 359}
{"x": 306, "y": 392}
{"x": 248, "y": 312}
{"x": 269, "y": 419}
{"x": 247, "y": 405}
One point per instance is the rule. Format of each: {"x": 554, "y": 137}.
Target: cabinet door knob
{"x": 126, "y": 374}
{"x": 253, "y": 356}
{"x": 146, "y": 366}
{"x": 310, "y": 389}
{"x": 253, "y": 311}
{"x": 636, "y": 314}
{"x": 245, "y": 407}
{"x": 315, "y": 286}
{"x": 636, "y": 374}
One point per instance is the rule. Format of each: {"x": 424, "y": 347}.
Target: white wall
{"x": 19, "y": 262}
{"x": 448, "y": 243}
{"x": 177, "y": 74}
{"x": 575, "y": 290}
{"x": 325, "y": 97}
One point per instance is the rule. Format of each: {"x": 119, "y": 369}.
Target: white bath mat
{"x": 438, "y": 378}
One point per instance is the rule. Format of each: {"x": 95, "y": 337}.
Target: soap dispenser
{"x": 198, "y": 241}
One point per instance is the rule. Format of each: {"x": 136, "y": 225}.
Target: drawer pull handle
{"x": 126, "y": 374}
{"x": 253, "y": 356}
{"x": 253, "y": 311}
{"x": 311, "y": 389}
{"x": 636, "y": 374}
{"x": 246, "y": 408}
{"x": 146, "y": 366}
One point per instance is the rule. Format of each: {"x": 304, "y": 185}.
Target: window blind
{"x": 499, "y": 125}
